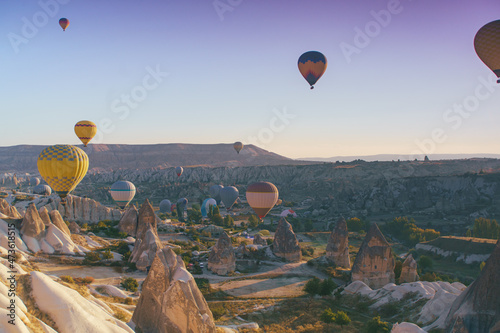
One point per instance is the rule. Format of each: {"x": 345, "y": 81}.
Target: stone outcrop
{"x": 147, "y": 242}
{"x": 285, "y": 243}
{"x": 44, "y": 215}
{"x": 258, "y": 240}
{"x": 170, "y": 300}
{"x": 58, "y": 221}
{"x": 337, "y": 249}
{"x": 374, "y": 264}
{"x": 74, "y": 228}
{"x": 128, "y": 222}
{"x": 221, "y": 259}
{"x": 32, "y": 224}
{"x": 409, "y": 270}
{"x": 8, "y": 210}
{"x": 83, "y": 210}
{"x": 477, "y": 309}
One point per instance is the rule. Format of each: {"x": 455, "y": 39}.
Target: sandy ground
{"x": 101, "y": 274}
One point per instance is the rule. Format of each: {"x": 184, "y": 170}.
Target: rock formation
{"x": 170, "y": 300}
{"x": 285, "y": 244}
{"x": 477, "y": 309}
{"x": 128, "y": 222}
{"x": 32, "y": 224}
{"x": 58, "y": 221}
{"x": 8, "y": 210}
{"x": 147, "y": 241}
{"x": 258, "y": 240}
{"x": 337, "y": 249}
{"x": 74, "y": 228}
{"x": 374, "y": 264}
{"x": 222, "y": 259}
{"x": 409, "y": 270}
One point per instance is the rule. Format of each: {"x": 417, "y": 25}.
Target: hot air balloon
{"x": 179, "y": 170}
{"x": 287, "y": 212}
{"x": 85, "y": 130}
{"x": 63, "y": 167}
{"x": 229, "y": 195}
{"x": 262, "y": 196}
{"x": 312, "y": 66}
{"x": 238, "y": 146}
{"x": 64, "y": 23}
{"x": 34, "y": 181}
{"x": 279, "y": 202}
{"x": 42, "y": 190}
{"x": 205, "y": 206}
{"x": 122, "y": 193}
{"x": 487, "y": 46}
{"x": 181, "y": 206}
{"x": 165, "y": 206}
{"x": 214, "y": 191}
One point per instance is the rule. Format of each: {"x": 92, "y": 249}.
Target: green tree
{"x": 425, "y": 263}
{"x": 481, "y": 266}
{"x": 327, "y": 316}
{"x": 341, "y": 318}
{"x": 107, "y": 254}
{"x": 217, "y": 220}
{"x": 253, "y": 221}
{"x": 312, "y": 286}
{"x": 130, "y": 284}
{"x": 375, "y": 325}
{"x": 486, "y": 228}
{"x": 326, "y": 287}
{"x": 194, "y": 215}
{"x": 228, "y": 221}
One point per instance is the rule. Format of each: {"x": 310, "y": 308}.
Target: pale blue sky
{"x": 228, "y": 77}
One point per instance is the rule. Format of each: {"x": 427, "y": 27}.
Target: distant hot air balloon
{"x": 34, "y": 181}
{"x": 287, "y": 212}
{"x": 122, "y": 193}
{"x": 238, "y": 146}
{"x": 42, "y": 190}
{"x": 179, "y": 170}
{"x": 279, "y": 202}
{"x": 180, "y": 207}
{"x": 312, "y": 66}
{"x": 85, "y": 130}
{"x": 165, "y": 206}
{"x": 205, "y": 206}
{"x": 262, "y": 197}
{"x": 487, "y": 45}
{"x": 214, "y": 191}
{"x": 64, "y": 23}
{"x": 229, "y": 195}
{"x": 63, "y": 167}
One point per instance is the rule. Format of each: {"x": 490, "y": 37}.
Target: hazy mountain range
{"x": 395, "y": 157}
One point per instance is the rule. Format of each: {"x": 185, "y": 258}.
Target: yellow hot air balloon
{"x": 487, "y": 46}
{"x": 85, "y": 130}
{"x": 63, "y": 167}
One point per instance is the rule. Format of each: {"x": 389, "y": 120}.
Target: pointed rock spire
{"x": 285, "y": 243}
{"x": 222, "y": 259}
{"x": 337, "y": 249}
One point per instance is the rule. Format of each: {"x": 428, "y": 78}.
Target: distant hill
{"x": 113, "y": 157}
{"x": 395, "y": 157}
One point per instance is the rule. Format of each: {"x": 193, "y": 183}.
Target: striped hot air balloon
{"x": 85, "y": 130}
{"x": 63, "y": 167}
{"x": 262, "y": 197}
{"x": 122, "y": 193}
{"x": 487, "y": 46}
{"x": 312, "y": 65}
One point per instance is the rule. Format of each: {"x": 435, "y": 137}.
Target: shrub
{"x": 326, "y": 287}
{"x": 129, "y": 301}
{"x": 91, "y": 257}
{"x": 375, "y": 325}
{"x": 218, "y": 311}
{"x": 107, "y": 255}
{"x": 130, "y": 284}
{"x": 312, "y": 286}
{"x": 67, "y": 278}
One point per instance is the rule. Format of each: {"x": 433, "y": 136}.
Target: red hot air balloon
{"x": 64, "y": 23}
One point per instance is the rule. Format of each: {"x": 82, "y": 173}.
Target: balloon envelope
{"x": 165, "y": 206}
{"x": 42, "y": 190}
{"x": 34, "y": 181}
{"x": 487, "y": 46}
{"x": 238, "y": 146}
{"x": 262, "y": 197}
{"x": 182, "y": 203}
{"x": 179, "y": 170}
{"x": 312, "y": 65}
{"x": 214, "y": 191}
{"x": 229, "y": 195}
{"x": 64, "y": 23}
{"x": 63, "y": 167}
{"x": 205, "y": 206}
{"x": 85, "y": 130}
{"x": 122, "y": 193}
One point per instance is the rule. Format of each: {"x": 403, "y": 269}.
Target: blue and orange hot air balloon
{"x": 312, "y": 65}
{"x": 64, "y": 23}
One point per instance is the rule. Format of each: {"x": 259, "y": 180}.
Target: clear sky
{"x": 402, "y": 76}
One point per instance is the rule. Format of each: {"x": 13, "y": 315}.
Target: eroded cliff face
{"x": 351, "y": 189}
